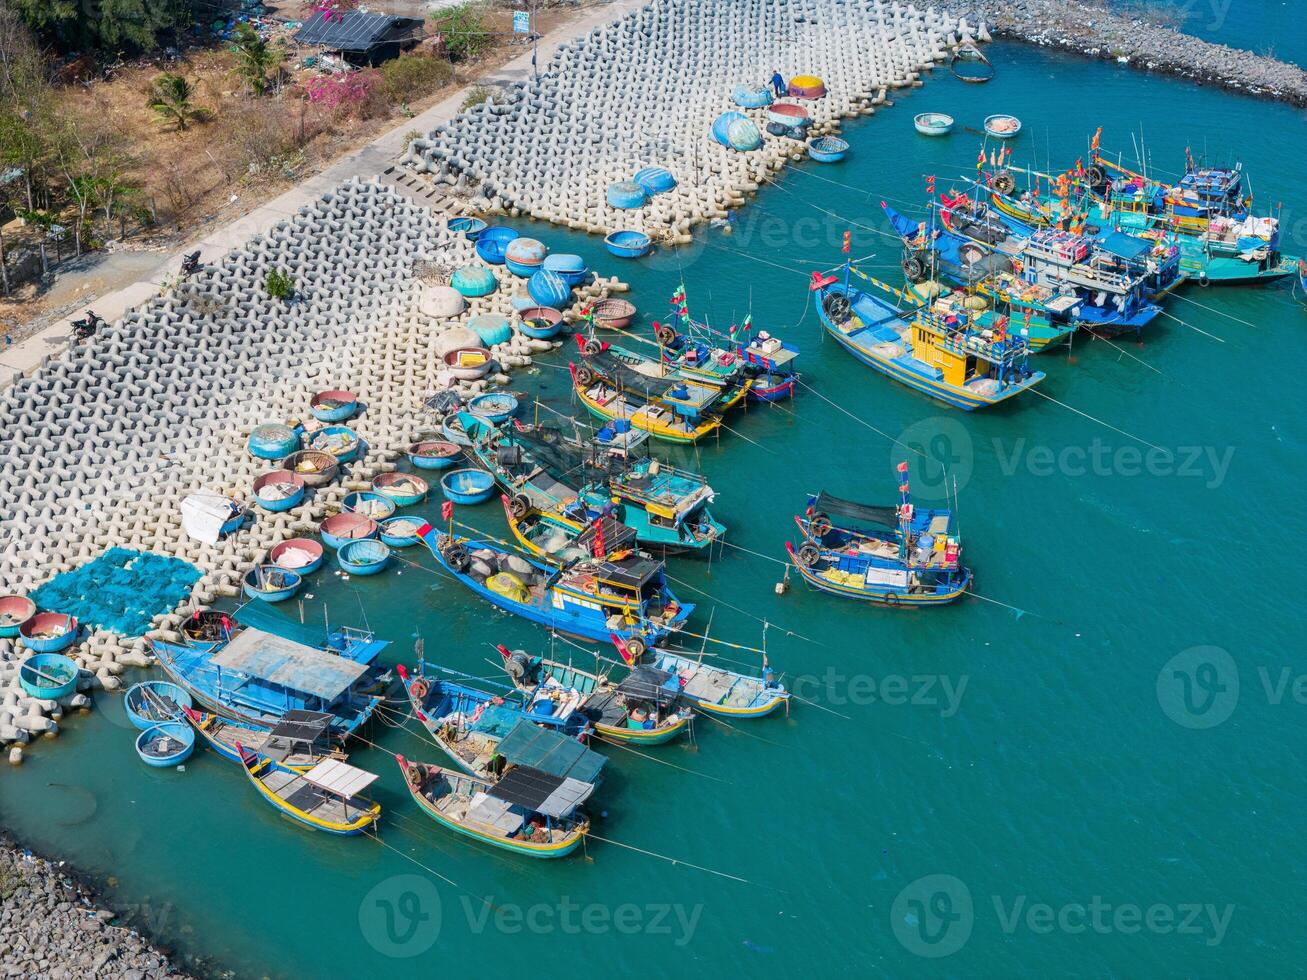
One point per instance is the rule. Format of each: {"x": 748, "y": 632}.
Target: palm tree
{"x": 170, "y": 97}
{"x": 254, "y": 59}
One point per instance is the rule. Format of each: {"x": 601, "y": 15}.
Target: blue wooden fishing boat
{"x": 400, "y": 532}
{"x": 643, "y": 708}
{"x": 540, "y": 322}
{"x": 572, "y": 484}
{"x": 278, "y": 490}
{"x": 525, "y": 810}
{"x": 570, "y": 268}
{"x": 968, "y": 363}
{"x": 151, "y": 702}
{"x": 333, "y": 405}
{"x": 403, "y": 489}
{"x": 718, "y": 691}
{"x": 168, "y": 743}
{"x": 828, "y": 149}
{"x": 434, "y": 454}
{"x": 466, "y": 225}
{"x": 368, "y": 503}
{"x": 48, "y": 676}
{"x": 629, "y": 244}
{"x": 340, "y": 529}
{"x": 594, "y": 598}
{"x": 257, "y": 676}
{"x": 299, "y": 740}
{"x": 273, "y": 440}
{"x": 15, "y": 610}
{"x": 492, "y": 244}
{"x": 315, "y": 468}
{"x": 340, "y": 441}
{"x": 48, "y": 632}
{"x": 271, "y": 583}
{"x": 467, "y": 486}
{"x": 363, "y": 557}
{"x": 933, "y": 123}
{"x": 1002, "y": 127}
{"x": 525, "y": 256}
{"x": 302, "y": 556}
{"x": 892, "y": 555}
{"x": 494, "y": 406}
{"x": 326, "y": 797}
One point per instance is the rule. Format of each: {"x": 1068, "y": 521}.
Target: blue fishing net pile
{"x": 121, "y": 591}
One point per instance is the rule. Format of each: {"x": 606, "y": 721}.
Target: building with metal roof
{"x": 361, "y": 38}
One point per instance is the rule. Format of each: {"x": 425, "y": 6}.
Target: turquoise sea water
{"x": 1108, "y": 784}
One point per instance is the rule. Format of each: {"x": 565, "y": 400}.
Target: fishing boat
{"x": 326, "y": 797}
{"x": 340, "y": 529}
{"x": 257, "y": 676}
{"x": 168, "y": 743}
{"x": 892, "y": 555}
{"x": 541, "y": 470}
{"x": 271, "y": 583}
{"x": 933, "y": 123}
{"x": 151, "y": 702}
{"x": 612, "y": 314}
{"x": 643, "y": 708}
{"x": 629, "y": 244}
{"x": 400, "y": 532}
{"x": 467, "y": 486}
{"x": 405, "y": 489}
{"x": 339, "y": 441}
{"x": 299, "y": 740}
{"x": 1002, "y": 127}
{"x": 315, "y": 468}
{"x": 699, "y": 363}
{"x": 526, "y": 810}
{"x": 299, "y": 555}
{"x": 627, "y": 596}
{"x": 828, "y": 149}
{"x": 369, "y": 503}
{"x": 718, "y": 691}
{"x": 363, "y": 557}
{"x": 48, "y": 676}
{"x": 494, "y": 406}
{"x": 334, "y": 405}
{"x": 278, "y": 490}
{"x": 15, "y": 610}
{"x": 434, "y": 454}
{"x": 469, "y": 226}
{"x": 972, "y": 362}
{"x": 557, "y": 539}
{"x": 206, "y": 628}
{"x": 49, "y": 632}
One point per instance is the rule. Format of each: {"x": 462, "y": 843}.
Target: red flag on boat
{"x": 447, "y": 511}
{"x": 903, "y": 466}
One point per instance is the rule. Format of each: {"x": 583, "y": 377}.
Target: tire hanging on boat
{"x": 457, "y": 558}
{"x": 808, "y": 555}
{"x": 636, "y": 647}
{"x": 665, "y": 334}
{"x": 837, "y": 307}
{"x": 584, "y": 376}
{"x": 819, "y": 525}
{"x": 591, "y": 347}
{"x": 519, "y": 506}
{"x": 1004, "y": 182}
{"x": 914, "y": 269}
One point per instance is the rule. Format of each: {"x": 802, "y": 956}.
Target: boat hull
{"x": 892, "y": 597}
{"x": 641, "y": 736}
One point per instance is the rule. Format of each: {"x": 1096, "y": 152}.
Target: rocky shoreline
{"x": 52, "y": 926}
{"x": 1096, "y": 32}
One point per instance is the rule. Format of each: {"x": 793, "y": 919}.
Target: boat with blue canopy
{"x": 643, "y": 708}
{"x": 892, "y": 555}
{"x": 257, "y": 676}
{"x": 592, "y": 598}
{"x": 719, "y": 691}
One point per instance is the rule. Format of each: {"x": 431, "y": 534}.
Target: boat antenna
{"x": 366, "y": 625}
{"x": 703, "y": 648}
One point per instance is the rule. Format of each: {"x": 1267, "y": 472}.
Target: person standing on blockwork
{"x": 778, "y": 84}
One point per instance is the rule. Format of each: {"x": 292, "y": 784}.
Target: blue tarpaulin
{"x": 121, "y": 591}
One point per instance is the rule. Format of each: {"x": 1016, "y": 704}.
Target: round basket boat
{"x": 369, "y": 503}
{"x": 363, "y": 557}
{"x": 525, "y": 256}
{"x": 206, "y": 628}
{"x": 494, "y": 406}
{"x": 751, "y": 96}
{"x": 491, "y": 328}
{"x": 48, "y": 676}
{"x": 313, "y": 466}
{"x": 270, "y": 583}
{"x": 405, "y": 489}
{"x": 568, "y": 267}
{"x": 434, "y": 454}
{"x": 466, "y": 225}
{"x": 341, "y": 529}
{"x": 492, "y": 244}
{"x": 15, "y": 610}
{"x": 333, "y": 405}
{"x": 468, "y": 363}
{"x": 468, "y": 486}
{"x": 441, "y": 302}
{"x": 473, "y": 281}
{"x": 540, "y": 322}
{"x": 302, "y": 556}
{"x": 549, "y": 289}
{"x": 655, "y": 180}
{"x": 273, "y": 440}
{"x": 807, "y": 87}
{"x": 626, "y": 195}
{"x": 828, "y": 149}
{"x": 933, "y": 123}
{"x": 48, "y": 632}
{"x": 787, "y": 114}
{"x": 279, "y": 490}
{"x": 169, "y": 743}
{"x": 452, "y": 427}
{"x": 629, "y": 244}
{"x": 150, "y": 703}
{"x": 233, "y": 523}
{"x": 613, "y": 314}
{"x": 1002, "y": 127}
{"x": 400, "y": 532}
{"x": 340, "y": 441}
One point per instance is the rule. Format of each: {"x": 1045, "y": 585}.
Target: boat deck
{"x": 298, "y": 793}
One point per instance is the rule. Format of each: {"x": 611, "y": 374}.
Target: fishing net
{"x": 121, "y": 591}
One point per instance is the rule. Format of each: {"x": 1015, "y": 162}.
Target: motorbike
{"x": 190, "y": 263}
{"x": 86, "y": 326}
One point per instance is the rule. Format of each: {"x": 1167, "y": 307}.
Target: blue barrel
{"x": 492, "y": 328}
{"x": 272, "y": 440}
{"x": 571, "y": 268}
{"x": 548, "y": 289}
{"x": 751, "y": 96}
{"x": 474, "y": 280}
{"x": 743, "y": 135}
{"x": 524, "y": 256}
{"x": 627, "y": 195}
{"x": 655, "y": 180}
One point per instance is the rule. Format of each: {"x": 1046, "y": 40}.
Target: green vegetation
{"x": 171, "y": 97}
{"x": 279, "y": 285}
{"x": 413, "y": 77}
{"x": 465, "y": 29}
{"x": 478, "y": 94}
{"x": 256, "y": 63}
{"x": 105, "y": 27}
